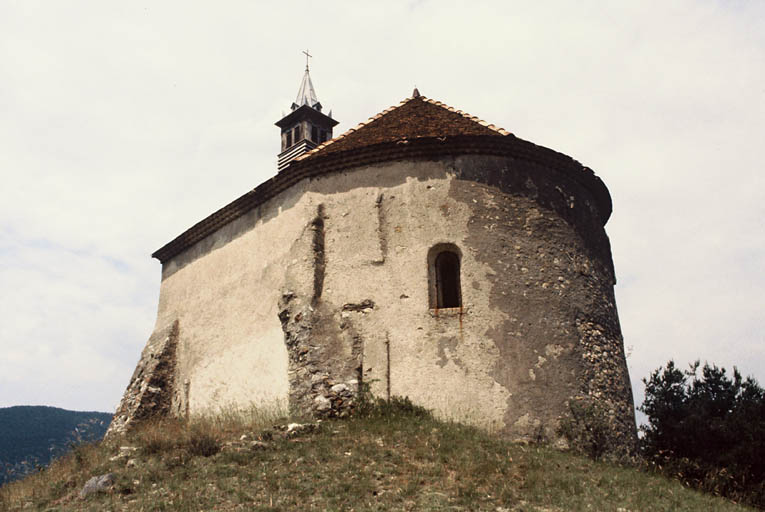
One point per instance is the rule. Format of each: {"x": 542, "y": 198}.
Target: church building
{"x": 424, "y": 253}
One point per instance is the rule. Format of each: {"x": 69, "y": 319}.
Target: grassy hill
{"x": 33, "y": 435}
{"x": 390, "y": 459}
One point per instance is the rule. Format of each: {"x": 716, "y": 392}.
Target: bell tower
{"x": 305, "y": 127}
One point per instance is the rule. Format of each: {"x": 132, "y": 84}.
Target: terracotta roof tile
{"x": 413, "y": 118}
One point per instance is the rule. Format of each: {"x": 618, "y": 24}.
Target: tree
{"x": 708, "y": 427}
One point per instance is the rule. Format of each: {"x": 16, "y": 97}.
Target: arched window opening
{"x": 448, "y": 280}
{"x": 444, "y": 290}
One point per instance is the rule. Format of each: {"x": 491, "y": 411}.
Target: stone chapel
{"x": 424, "y": 253}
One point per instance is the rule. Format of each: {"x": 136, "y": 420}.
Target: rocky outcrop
{"x": 152, "y": 385}
{"x": 101, "y": 483}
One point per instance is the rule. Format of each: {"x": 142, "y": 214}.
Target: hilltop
{"x": 393, "y": 458}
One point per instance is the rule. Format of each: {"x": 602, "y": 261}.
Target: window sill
{"x": 439, "y": 312}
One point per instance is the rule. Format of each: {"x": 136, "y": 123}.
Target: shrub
{"x": 587, "y": 429}
{"x": 397, "y": 406}
{"x": 200, "y": 437}
{"x": 708, "y": 429}
{"x": 202, "y": 440}
{"x": 158, "y": 436}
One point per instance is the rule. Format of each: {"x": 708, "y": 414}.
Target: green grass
{"x": 394, "y": 459}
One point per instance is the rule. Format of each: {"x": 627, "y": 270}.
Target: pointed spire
{"x": 415, "y": 92}
{"x": 306, "y": 94}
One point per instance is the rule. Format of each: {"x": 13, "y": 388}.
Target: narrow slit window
{"x": 447, "y": 270}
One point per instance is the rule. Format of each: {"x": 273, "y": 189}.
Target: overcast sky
{"x": 124, "y": 123}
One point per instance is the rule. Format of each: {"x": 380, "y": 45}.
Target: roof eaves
{"x": 421, "y": 148}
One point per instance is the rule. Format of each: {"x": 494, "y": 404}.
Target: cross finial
{"x": 306, "y": 58}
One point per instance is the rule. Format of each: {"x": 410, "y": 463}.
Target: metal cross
{"x": 306, "y": 58}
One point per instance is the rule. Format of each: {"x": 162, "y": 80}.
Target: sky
{"x": 124, "y": 123}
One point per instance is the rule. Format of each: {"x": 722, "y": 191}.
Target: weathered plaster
{"x": 326, "y": 285}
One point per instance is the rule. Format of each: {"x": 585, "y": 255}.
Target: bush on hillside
{"x": 396, "y": 406}
{"x": 708, "y": 428}
{"x": 203, "y": 440}
{"x": 587, "y": 430}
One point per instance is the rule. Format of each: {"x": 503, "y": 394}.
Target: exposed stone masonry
{"x": 323, "y": 382}
{"x": 606, "y": 382}
{"x": 152, "y": 386}
{"x": 557, "y": 292}
{"x": 319, "y": 259}
{"x": 324, "y": 350}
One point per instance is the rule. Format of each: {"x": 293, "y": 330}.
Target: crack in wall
{"x": 319, "y": 257}
{"x": 387, "y": 365}
{"x": 186, "y": 398}
{"x": 360, "y": 306}
{"x": 381, "y": 230}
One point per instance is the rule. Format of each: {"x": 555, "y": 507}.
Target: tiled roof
{"x": 414, "y": 118}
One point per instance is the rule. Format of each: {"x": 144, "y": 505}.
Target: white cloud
{"x": 122, "y": 124}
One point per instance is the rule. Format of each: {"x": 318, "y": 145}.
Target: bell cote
{"x": 305, "y": 127}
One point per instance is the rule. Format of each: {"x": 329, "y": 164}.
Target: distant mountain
{"x": 32, "y": 436}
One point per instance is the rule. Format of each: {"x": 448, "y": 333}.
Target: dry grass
{"x": 390, "y": 458}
